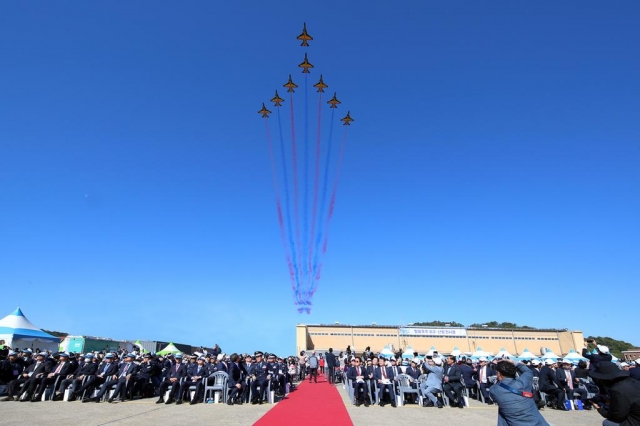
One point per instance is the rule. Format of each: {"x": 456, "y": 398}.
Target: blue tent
{"x": 18, "y": 332}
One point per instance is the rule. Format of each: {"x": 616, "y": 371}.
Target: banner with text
{"x": 411, "y": 331}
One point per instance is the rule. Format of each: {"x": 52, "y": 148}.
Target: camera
{"x": 589, "y": 340}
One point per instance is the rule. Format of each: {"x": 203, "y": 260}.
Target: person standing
{"x": 302, "y": 365}
{"x": 313, "y": 367}
{"x": 331, "y": 365}
{"x": 514, "y": 396}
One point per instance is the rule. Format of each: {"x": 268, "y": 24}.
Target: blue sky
{"x": 491, "y": 174}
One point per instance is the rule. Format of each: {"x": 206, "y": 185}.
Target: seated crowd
{"x": 121, "y": 376}
{"x": 558, "y": 384}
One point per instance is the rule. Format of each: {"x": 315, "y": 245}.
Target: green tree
{"x": 507, "y": 325}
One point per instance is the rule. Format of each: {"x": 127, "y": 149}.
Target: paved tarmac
{"x": 145, "y": 412}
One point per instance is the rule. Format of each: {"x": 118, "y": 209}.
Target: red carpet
{"x": 310, "y": 404}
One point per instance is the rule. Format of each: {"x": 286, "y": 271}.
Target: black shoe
{"x": 489, "y": 402}
{"x": 357, "y": 403}
{"x": 9, "y": 398}
{"x": 160, "y": 401}
{"x": 95, "y": 399}
{"x": 178, "y": 402}
{"x": 439, "y": 404}
{"x": 366, "y": 403}
{"x": 170, "y": 401}
{"x": 393, "y": 404}
{"x": 260, "y": 402}
{"x": 230, "y": 401}
{"x": 110, "y": 400}
{"x": 460, "y": 404}
{"x": 381, "y": 404}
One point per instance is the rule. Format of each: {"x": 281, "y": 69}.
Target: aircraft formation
{"x": 305, "y": 179}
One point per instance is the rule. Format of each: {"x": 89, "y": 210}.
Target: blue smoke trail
{"x": 323, "y": 201}
{"x": 287, "y": 204}
{"x": 305, "y": 194}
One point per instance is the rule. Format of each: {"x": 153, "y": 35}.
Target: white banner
{"x": 411, "y": 331}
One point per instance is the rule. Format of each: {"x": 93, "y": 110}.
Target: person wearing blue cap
{"x": 105, "y": 370}
{"x": 173, "y": 375}
{"x": 121, "y": 380}
{"x": 196, "y": 374}
{"x": 10, "y": 369}
{"x": 61, "y": 369}
{"x": 86, "y": 370}
{"x": 34, "y": 373}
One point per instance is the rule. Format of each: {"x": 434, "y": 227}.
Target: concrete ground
{"x": 147, "y": 412}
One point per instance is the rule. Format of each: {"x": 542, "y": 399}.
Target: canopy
{"x": 18, "y": 332}
{"x": 573, "y": 356}
{"x": 456, "y": 352}
{"x": 479, "y": 353}
{"x": 408, "y": 353}
{"x": 169, "y": 349}
{"x": 430, "y": 353}
{"x": 526, "y": 355}
{"x": 386, "y": 351}
{"x": 504, "y": 354}
{"x": 550, "y": 355}
{"x": 139, "y": 345}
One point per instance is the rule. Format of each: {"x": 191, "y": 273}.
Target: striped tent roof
{"x": 17, "y": 325}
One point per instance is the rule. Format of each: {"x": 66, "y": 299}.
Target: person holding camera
{"x": 622, "y": 408}
{"x": 601, "y": 355}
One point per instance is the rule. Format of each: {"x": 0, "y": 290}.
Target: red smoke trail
{"x": 278, "y": 206}
{"x": 296, "y": 197}
{"x": 331, "y": 207}
{"x": 316, "y": 186}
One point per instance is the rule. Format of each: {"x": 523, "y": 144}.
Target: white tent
{"x": 550, "y": 355}
{"x": 386, "y": 351}
{"x": 18, "y": 332}
{"x": 430, "y": 353}
{"x": 573, "y": 356}
{"x": 504, "y": 354}
{"x": 408, "y": 353}
{"x": 479, "y": 353}
{"x": 526, "y": 355}
{"x": 456, "y": 352}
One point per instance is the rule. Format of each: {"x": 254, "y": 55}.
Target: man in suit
{"x": 10, "y": 368}
{"x": 567, "y": 379}
{"x": 634, "y": 369}
{"x": 483, "y": 373}
{"x": 173, "y": 376}
{"x": 412, "y": 371}
{"x": 196, "y": 374}
{"x": 88, "y": 368}
{"x": 105, "y": 370}
{"x": 452, "y": 385}
{"x": 31, "y": 376}
{"x": 396, "y": 369}
{"x": 222, "y": 363}
{"x": 514, "y": 396}
{"x": 383, "y": 377}
{"x": 62, "y": 369}
{"x": 331, "y": 365}
{"x": 468, "y": 372}
{"x": 549, "y": 384}
{"x": 369, "y": 380}
{"x": 433, "y": 384}
{"x": 144, "y": 373}
{"x": 357, "y": 375}
{"x": 260, "y": 377}
{"x": 236, "y": 380}
{"x": 121, "y": 380}
{"x": 601, "y": 355}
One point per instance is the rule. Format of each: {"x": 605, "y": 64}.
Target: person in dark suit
{"x": 568, "y": 381}
{"x": 452, "y": 386}
{"x": 357, "y": 374}
{"x": 88, "y": 368}
{"x": 196, "y": 373}
{"x": 173, "y": 376}
{"x": 62, "y": 369}
{"x": 105, "y": 370}
{"x": 467, "y": 371}
{"x": 483, "y": 373}
{"x": 371, "y": 366}
{"x": 331, "y": 365}
{"x": 222, "y": 363}
{"x": 634, "y": 370}
{"x": 144, "y": 373}
{"x": 120, "y": 380}
{"x": 235, "y": 380}
{"x": 549, "y": 384}
{"x": 31, "y": 376}
{"x": 383, "y": 376}
{"x": 259, "y": 377}
{"x": 10, "y": 368}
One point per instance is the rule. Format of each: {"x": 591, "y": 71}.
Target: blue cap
{"x": 129, "y": 356}
{"x": 89, "y": 355}
{"x": 44, "y": 354}
{"x": 64, "y": 354}
{"x": 178, "y": 356}
{"x": 12, "y": 353}
{"x": 108, "y": 356}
